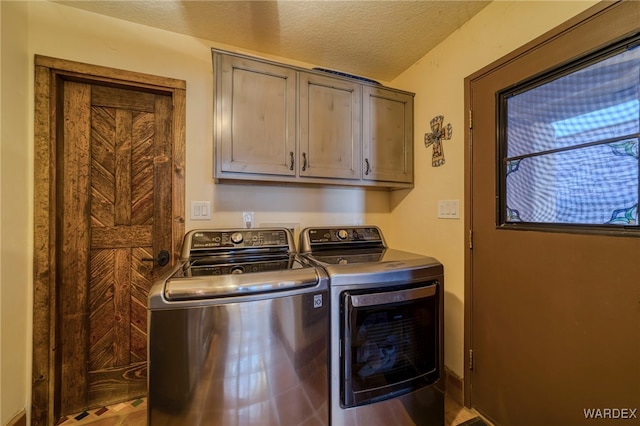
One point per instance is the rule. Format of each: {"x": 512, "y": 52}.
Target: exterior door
{"x": 554, "y": 316}
{"x": 113, "y": 192}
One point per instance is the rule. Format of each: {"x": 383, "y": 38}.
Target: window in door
{"x": 568, "y": 145}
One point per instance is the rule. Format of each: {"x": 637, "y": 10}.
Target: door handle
{"x": 291, "y": 160}
{"x": 162, "y": 259}
{"x": 304, "y": 161}
{"x": 375, "y": 299}
{"x": 367, "y": 166}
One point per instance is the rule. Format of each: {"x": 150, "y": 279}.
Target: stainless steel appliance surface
{"x": 238, "y": 333}
{"x": 386, "y": 350}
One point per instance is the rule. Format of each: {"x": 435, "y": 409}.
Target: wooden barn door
{"x": 118, "y": 203}
{"x": 116, "y": 177}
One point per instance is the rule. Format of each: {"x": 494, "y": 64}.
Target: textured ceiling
{"x": 375, "y": 39}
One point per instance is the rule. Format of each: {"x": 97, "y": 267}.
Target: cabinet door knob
{"x": 291, "y": 160}
{"x": 367, "y": 168}
{"x": 304, "y": 161}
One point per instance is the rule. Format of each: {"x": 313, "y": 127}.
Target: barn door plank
{"x": 117, "y": 169}
{"x": 75, "y": 243}
{"x": 131, "y": 134}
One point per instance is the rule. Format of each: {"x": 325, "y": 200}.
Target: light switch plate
{"x": 449, "y": 209}
{"x": 200, "y": 210}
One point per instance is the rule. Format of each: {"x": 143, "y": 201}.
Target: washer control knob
{"x": 342, "y": 234}
{"x": 236, "y": 237}
{"x": 238, "y": 269}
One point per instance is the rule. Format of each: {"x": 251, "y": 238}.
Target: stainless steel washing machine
{"x": 238, "y": 333}
{"x": 386, "y": 350}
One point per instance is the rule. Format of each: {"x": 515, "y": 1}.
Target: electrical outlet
{"x": 247, "y": 219}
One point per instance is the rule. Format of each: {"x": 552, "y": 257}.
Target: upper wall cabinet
{"x": 329, "y": 127}
{"x": 277, "y": 123}
{"x": 256, "y": 117}
{"x": 388, "y": 135}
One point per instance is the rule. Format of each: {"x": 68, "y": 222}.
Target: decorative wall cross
{"x": 439, "y": 134}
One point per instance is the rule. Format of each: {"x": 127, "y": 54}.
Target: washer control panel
{"x": 238, "y": 238}
{"x": 345, "y": 235}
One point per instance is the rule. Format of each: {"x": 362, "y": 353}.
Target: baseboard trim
{"x": 454, "y": 386}
{"x": 19, "y": 419}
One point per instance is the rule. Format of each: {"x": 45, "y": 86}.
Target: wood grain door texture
{"x": 115, "y": 167}
{"x": 109, "y": 193}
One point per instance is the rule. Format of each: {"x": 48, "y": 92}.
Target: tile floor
{"x": 454, "y": 413}
{"x": 131, "y": 413}
{"x": 134, "y": 413}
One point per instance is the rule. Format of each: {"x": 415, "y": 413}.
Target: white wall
{"x": 77, "y": 35}
{"x": 1, "y": 62}
{"x": 1, "y": 321}
{"x": 408, "y": 218}
{"x": 16, "y": 184}
{"x": 438, "y": 81}
{"x": 51, "y": 29}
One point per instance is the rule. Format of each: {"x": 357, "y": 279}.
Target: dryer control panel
{"x": 342, "y": 236}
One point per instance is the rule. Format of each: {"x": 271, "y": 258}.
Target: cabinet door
{"x": 387, "y": 125}
{"x": 329, "y": 127}
{"x": 256, "y": 112}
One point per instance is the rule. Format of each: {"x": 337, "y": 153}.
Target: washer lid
{"x": 385, "y": 267}
{"x": 238, "y": 284}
